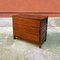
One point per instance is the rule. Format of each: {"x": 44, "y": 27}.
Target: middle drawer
{"x": 23, "y": 29}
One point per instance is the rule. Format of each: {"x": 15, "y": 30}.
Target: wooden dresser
{"x": 32, "y": 28}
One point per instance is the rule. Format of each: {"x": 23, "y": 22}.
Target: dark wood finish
{"x": 32, "y": 28}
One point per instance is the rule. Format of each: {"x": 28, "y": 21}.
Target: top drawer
{"x": 26, "y": 21}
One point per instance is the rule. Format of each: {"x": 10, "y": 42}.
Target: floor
{"x": 16, "y": 49}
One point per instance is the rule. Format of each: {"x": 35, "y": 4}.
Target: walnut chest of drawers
{"x": 32, "y": 28}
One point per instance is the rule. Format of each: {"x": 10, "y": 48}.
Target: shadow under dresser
{"x": 32, "y": 28}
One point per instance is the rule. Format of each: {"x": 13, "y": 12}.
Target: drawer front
{"x": 23, "y": 29}
{"x": 26, "y": 21}
{"x": 26, "y": 36}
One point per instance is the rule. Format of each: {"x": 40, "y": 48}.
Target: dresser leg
{"x": 45, "y": 39}
{"x": 39, "y": 46}
{"x": 45, "y": 36}
{"x": 14, "y": 37}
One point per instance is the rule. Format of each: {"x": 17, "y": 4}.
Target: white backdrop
{"x": 54, "y": 21}
{"x": 5, "y": 21}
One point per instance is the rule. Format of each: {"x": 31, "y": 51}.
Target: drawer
{"x": 26, "y": 21}
{"x": 27, "y": 36}
{"x": 23, "y": 29}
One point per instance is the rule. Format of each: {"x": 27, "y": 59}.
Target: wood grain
{"x": 32, "y": 28}
{"x": 27, "y": 22}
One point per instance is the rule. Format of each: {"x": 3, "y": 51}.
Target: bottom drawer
{"x": 29, "y": 30}
{"x": 27, "y": 36}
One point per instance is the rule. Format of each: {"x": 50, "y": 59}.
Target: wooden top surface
{"x": 31, "y": 16}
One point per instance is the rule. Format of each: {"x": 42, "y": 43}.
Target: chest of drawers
{"x": 32, "y": 28}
